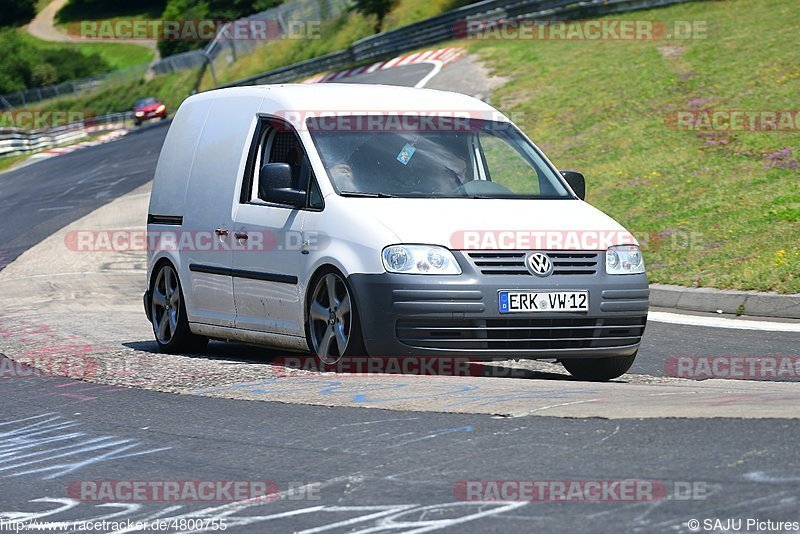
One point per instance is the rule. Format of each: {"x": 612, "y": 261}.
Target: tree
{"x": 379, "y": 8}
{"x": 16, "y": 12}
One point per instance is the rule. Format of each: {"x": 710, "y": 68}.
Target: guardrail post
{"x": 210, "y": 63}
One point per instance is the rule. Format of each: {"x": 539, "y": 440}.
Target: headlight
{"x": 419, "y": 259}
{"x": 624, "y": 259}
{"x": 139, "y": 113}
{"x": 160, "y": 108}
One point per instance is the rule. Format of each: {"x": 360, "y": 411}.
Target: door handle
{"x": 240, "y": 235}
{"x": 221, "y": 232}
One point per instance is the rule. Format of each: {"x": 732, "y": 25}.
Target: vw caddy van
{"x": 367, "y": 220}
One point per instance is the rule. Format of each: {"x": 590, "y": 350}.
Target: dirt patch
{"x": 671, "y": 51}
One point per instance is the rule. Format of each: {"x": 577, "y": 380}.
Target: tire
{"x": 332, "y": 331}
{"x": 168, "y": 314}
{"x": 599, "y": 369}
{"x": 137, "y": 123}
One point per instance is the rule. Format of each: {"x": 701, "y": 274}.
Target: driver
{"x": 342, "y": 175}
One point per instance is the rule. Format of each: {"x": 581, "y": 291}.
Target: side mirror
{"x": 577, "y": 182}
{"x": 275, "y": 185}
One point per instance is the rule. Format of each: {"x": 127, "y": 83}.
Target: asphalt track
{"x": 359, "y": 469}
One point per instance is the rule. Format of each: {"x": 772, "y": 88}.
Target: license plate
{"x": 543, "y": 301}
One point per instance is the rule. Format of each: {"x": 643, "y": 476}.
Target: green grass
{"x": 117, "y": 55}
{"x": 12, "y": 161}
{"x": 711, "y": 209}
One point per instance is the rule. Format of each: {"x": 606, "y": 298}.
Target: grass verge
{"x": 116, "y": 55}
{"x": 715, "y": 209}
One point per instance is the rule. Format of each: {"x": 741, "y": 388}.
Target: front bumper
{"x": 149, "y": 115}
{"x": 406, "y": 315}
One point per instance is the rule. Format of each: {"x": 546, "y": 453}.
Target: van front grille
{"x": 493, "y": 263}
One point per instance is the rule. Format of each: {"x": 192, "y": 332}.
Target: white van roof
{"x": 343, "y": 98}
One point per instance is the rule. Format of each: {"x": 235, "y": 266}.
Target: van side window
{"x": 278, "y": 143}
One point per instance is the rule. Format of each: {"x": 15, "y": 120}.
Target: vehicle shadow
{"x": 303, "y": 364}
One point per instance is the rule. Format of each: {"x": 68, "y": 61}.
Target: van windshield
{"x": 376, "y": 156}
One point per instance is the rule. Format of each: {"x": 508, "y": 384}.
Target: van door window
{"x": 279, "y": 143}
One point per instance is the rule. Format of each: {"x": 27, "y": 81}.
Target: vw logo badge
{"x": 539, "y": 264}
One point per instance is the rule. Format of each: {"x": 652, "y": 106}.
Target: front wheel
{"x": 333, "y": 327}
{"x": 598, "y": 369}
{"x": 168, "y": 314}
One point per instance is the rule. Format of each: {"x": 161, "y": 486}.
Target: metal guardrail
{"x": 447, "y": 26}
{"x": 14, "y": 141}
{"x": 30, "y": 96}
{"x": 220, "y": 50}
{"x": 223, "y": 50}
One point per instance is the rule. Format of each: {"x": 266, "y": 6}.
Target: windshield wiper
{"x": 366, "y": 195}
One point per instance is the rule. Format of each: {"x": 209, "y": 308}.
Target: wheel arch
{"x": 319, "y": 270}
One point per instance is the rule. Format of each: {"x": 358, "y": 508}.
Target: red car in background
{"x": 148, "y": 108}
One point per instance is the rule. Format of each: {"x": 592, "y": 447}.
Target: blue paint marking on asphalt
{"x": 361, "y": 393}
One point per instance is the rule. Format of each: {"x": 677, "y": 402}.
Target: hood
{"x": 488, "y": 224}
{"x": 148, "y": 108}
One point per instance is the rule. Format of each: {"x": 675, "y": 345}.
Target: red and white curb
{"x": 439, "y": 57}
{"x": 116, "y": 134}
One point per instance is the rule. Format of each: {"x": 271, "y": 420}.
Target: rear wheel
{"x": 599, "y": 369}
{"x": 168, "y": 314}
{"x": 333, "y": 327}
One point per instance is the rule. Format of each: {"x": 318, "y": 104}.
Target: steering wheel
{"x": 482, "y": 187}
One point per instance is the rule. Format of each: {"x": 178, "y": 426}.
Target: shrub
{"x": 25, "y": 63}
